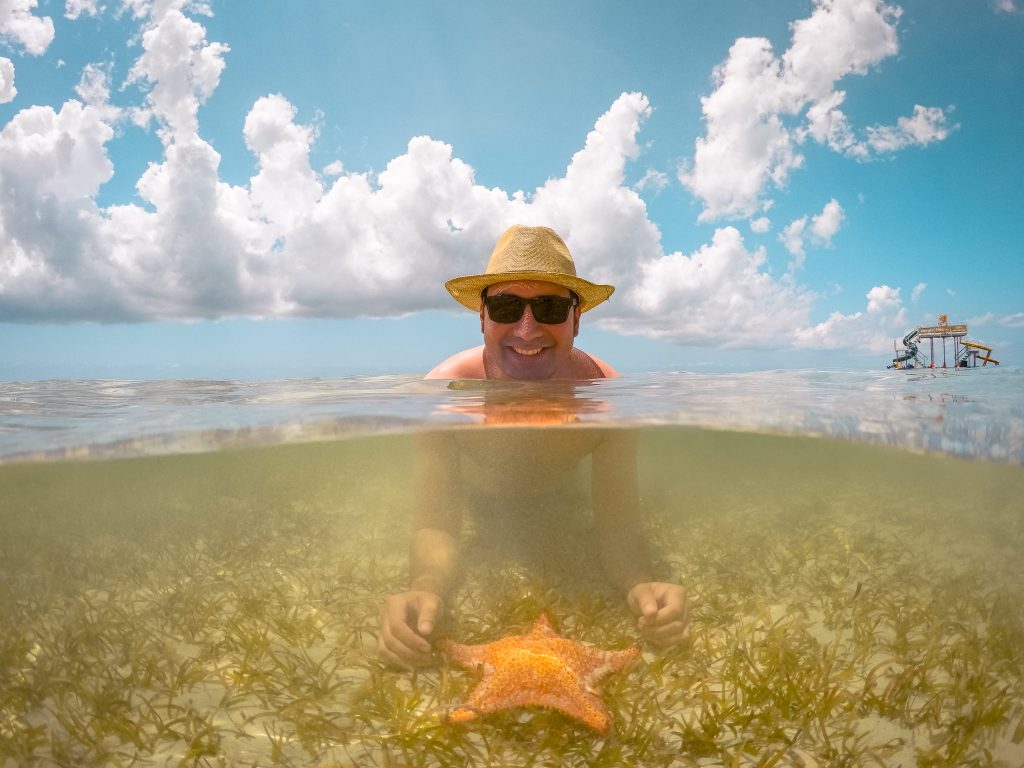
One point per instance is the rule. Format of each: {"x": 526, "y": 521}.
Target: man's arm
{"x": 616, "y": 500}
{"x": 438, "y": 513}
{"x": 408, "y": 618}
{"x": 661, "y": 608}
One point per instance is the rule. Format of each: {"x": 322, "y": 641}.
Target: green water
{"x": 851, "y": 606}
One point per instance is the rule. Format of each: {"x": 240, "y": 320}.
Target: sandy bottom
{"x": 852, "y": 606}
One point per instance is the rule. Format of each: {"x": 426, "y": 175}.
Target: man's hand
{"x": 662, "y": 612}
{"x": 406, "y": 621}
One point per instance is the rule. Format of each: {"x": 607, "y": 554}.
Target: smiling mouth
{"x": 528, "y": 352}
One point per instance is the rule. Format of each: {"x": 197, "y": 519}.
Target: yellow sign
{"x": 942, "y": 330}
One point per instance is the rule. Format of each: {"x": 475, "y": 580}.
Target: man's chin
{"x": 528, "y": 367}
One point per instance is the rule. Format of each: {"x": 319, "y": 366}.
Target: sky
{"x": 280, "y": 189}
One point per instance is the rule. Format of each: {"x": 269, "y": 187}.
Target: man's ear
{"x": 576, "y": 312}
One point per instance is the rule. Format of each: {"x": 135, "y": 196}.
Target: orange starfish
{"x": 539, "y": 668}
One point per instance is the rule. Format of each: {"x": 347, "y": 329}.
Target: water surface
{"x": 975, "y": 413}
{"x": 191, "y": 572}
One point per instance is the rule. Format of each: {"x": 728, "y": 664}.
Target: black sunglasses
{"x": 550, "y": 310}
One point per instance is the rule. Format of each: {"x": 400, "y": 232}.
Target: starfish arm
{"x": 467, "y": 656}
{"x": 586, "y": 707}
{"x": 579, "y": 704}
{"x": 462, "y": 714}
{"x": 600, "y": 663}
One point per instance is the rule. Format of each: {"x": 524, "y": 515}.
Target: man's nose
{"x": 528, "y": 327}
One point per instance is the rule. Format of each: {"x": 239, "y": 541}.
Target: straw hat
{"x": 528, "y": 253}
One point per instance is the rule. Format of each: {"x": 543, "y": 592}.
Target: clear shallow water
{"x": 976, "y": 413}
{"x": 206, "y": 590}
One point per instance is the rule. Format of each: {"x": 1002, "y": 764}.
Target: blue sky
{"x": 267, "y": 189}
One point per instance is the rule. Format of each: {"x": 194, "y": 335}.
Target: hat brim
{"x": 466, "y": 290}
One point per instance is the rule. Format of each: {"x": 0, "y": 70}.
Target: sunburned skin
{"x": 528, "y": 350}
{"x": 525, "y": 350}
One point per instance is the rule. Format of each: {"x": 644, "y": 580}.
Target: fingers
{"x": 429, "y": 608}
{"x": 643, "y": 600}
{"x": 673, "y": 600}
{"x": 406, "y": 621}
{"x": 668, "y": 623}
{"x": 665, "y": 635}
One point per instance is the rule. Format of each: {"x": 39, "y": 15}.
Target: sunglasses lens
{"x": 551, "y": 309}
{"x": 505, "y": 309}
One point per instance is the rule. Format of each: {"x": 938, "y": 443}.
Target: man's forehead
{"x": 528, "y": 286}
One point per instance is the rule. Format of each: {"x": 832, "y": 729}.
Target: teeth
{"x": 521, "y": 351}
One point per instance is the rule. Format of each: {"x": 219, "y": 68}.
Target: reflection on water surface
{"x": 977, "y": 413}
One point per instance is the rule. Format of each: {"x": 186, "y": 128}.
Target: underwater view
{"x": 192, "y": 573}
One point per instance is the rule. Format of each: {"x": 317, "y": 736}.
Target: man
{"x": 530, "y": 301}
{"x": 527, "y": 263}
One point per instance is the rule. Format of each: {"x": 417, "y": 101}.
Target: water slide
{"x": 911, "y": 353}
{"x": 988, "y": 351}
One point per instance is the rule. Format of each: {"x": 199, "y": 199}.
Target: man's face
{"x": 527, "y": 349}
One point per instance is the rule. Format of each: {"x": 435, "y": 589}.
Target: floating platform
{"x": 966, "y": 354}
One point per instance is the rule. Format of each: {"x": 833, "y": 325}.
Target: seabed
{"x": 221, "y": 610}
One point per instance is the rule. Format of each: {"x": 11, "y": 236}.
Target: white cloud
{"x": 719, "y": 295}
{"x": 606, "y": 221}
{"x": 19, "y": 26}
{"x": 7, "y": 89}
{"x": 425, "y": 220}
{"x": 292, "y": 242}
{"x": 823, "y": 228}
{"x": 915, "y": 294}
{"x": 882, "y": 298}
{"x": 94, "y": 85}
{"x": 792, "y": 236}
{"x": 871, "y": 330}
{"x": 653, "y": 180}
{"x": 193, "y": 252}
{"x": 1012, "y": 320}
{"x": 94, "y": 90}
{"x": 364, "y": 244}
{"x": 286, "y": 188}
{"x": 53, "y": 265}
{"x": 760, "y": 225}
{"x": 286, "y": 245}
{"x": 1005, "y": 6}
{"x": 157, "y": 9}
{"x": 928, "y": 124}
{"x": 826, "y": 224}
{"x": 182, "y": 69}
{"x": 59, "y": 155}
{"x": 746, "y": 145}
{"x": 753, "y": 133}
{"x": 73, "y": 9}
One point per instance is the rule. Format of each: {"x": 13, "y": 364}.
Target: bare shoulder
{"x": 590, "y": 362}
{"x": 468, "y": 364}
